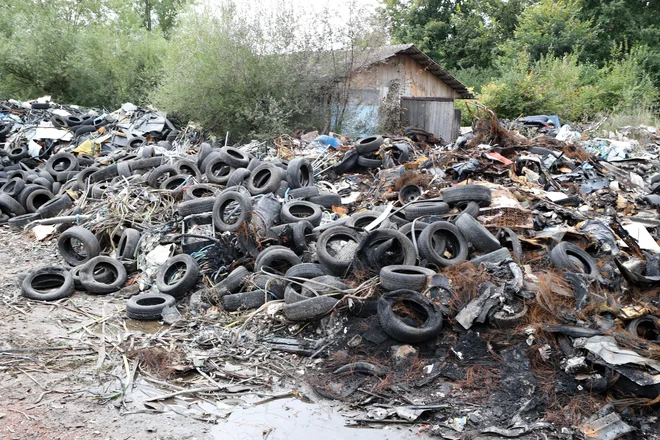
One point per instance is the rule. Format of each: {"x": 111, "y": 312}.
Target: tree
{"x": 553, "y": 27}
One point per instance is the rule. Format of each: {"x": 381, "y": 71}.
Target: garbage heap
{"x": 525, "y": 266}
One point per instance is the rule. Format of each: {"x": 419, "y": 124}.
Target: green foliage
{"x": 568, "y": 88}
{"x": 552, "y": 27}
{"x": 77, "y": 52}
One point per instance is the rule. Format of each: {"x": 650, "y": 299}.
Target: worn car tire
{"x": 477, "y": 234}
{"x": 276, "y": 258}
{"x": 494, "y": 257}
{"x": 38, "y": 198}
{"x": 55, "y": 206}
{"x": 188, "y": 168}
{"x": 467, "y": 193}
{"x": 234, "y": 281}
{"x": 299, "y": 232}
{"x": 452, "y": 237}
{"x": 645, "y": 327}
{"x": 338, "y": 265}
{"x": 13, "y": 187}
{"x": 148, "y": 306}
{"x": 265, "y": 178}
{"x": 368, "y": 144}
{"x": 304, "y": 192}
{"x": 300, "y": 173}
{"x": 376, "y": 246}
{"x": 47, "y": 284}
{"x": 426, "y": 209}
{"x": 309, "y": 309}
{"x": 510, "y": 239}
{"x": 569, "y": 256}
{"x": 238, "y": 177}
{"x": 362, "y": 219}
{"x": 21, "y": 221}
{"x": 160, "y": 174}
{"x": 196, "y": 206}
{"x": 327, "y": 200}
{"x": 10, "y": 206}
{"x": 401, "y": 331}
{"x": 405, "y": 277}
{"x": 234, "y": 157}
{"x": 128, "y": 244}
{"x": 298, "y": 210}
{"x": 222, "y": 205}
{"x": 218, "y": 171}
{"x": 347, "y": 163}
{"x": 307, "y": 271}
{"x": 83, "y": 236}
{"x": 178, "y": 288}
{"x": 368, "y": 162}
{"x": 244, "y": 300}
{"x": 92, "y": 284}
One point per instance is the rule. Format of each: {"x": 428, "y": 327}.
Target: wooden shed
{"x": 403, "y": 80}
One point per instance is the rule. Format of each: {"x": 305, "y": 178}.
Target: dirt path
{"x": 59, "y": 380}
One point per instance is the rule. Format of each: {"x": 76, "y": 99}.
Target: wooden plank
{"x": 428, "y": 98}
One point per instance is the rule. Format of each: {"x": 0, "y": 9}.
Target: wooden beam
{"x": 427, "y": 98}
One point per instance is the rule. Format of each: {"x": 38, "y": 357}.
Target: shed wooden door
{"x": 435, "y": 115}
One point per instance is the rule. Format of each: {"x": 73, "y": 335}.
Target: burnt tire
{"x": 148, "y": 306}
{"x": 47, "y": 284}
{"x": 396, "y": 328}
{"x": 177, "y": 288}
{"x": 453, "y": 239}
{"x": 405, "y": 277}
{"x": 92, "y": 284}
{"x": 231, "y": 200}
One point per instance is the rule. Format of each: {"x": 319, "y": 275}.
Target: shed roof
{"x": 384, "y": 53}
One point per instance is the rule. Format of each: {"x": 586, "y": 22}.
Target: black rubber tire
{"x": 472, "y": 209}
{"x": 503, "y": 319}
{"x": 407, "y": 228}
{"x": 254, "y": 163}
{"x": 188, "y": 168}
{"x": 196, "y": 206}
{"x": 347, "y": 163}
{"x": 299, "y": 232}
{"x": 200, "y": 190}
{"x": 93, "y": 285}
{"x": 160, "y": 174}
{"x": 244, "y": 300}
{"x": 136, "y": 142}
{"x": 55, "y": 206}
{"x": 73, "y": 121}
{"x": 38, "y": 198}
{"x": 209, "y": 157}
{"x": 368, "y": 144}
{"x": 65, "y": 176}
{"x": 223, "y": 202}
{"x": 218, "y": 171}
{"x": 104, "y": 174}
{"x": 265, "y": 178}
{"x": 21, "y": 221}
{"x": 204, "y": 150}
{"x": 13, "y": 187}
{"x": 307, "y": 271}
{"x": 175, "y": 183}
{"x": 124, "y": 169}
{"x": 10, "y": 206}
{"x": 98, "y": 190}
{"x": 86, "y": 161}
{"x": 304, "y": 192}
{"x": 424, "y": 209}
{"x": 234, "y": 157}
{"x": 84, "y": 129}
{"x": 324, "y": 285}
{"x": 467, "y": 193}
{"x": 235, "y": 280}
{"x": 282, "y": 190}
{"x": 650, "y": 327}
{"x": 338, "y": 266}
{"x": 401, "y": 153}
{"x": 300, "y": 173}
{"x": 495, "y": 257}
{"x": 510, "y": 239}
{"x": 71, "y": 185}
{"x": 41, "y": 181}
{"x": 276, "y": 258}
{"x": 61, "y": 162}
{"x": 369, "y": 256}
{"x": 238, "y": 177}
{"x": 477, "y": 234}
{"x": 327, "y": 200}
{"x": 309, "y": 309}
{"x": 179, "y": 288}
{"x": 367, "y": 162}
{"x": 27, "y": 190}
{"x": 47, "y": 284}
{"x": 405, "y": 277}
{"x": 18, "y": 153}
{"x": 146, "y": 163}
{"x": 83, "y": 177}
{"x": 564, "y": 255}
{"x": 148, "y": 306}
{"x": 269, "y": 284}
{"x": 298, "y": 210}
{"x": 364, "y": 218}
{"x": 451, "y": 235}
{"x": 86, "y": 238}
{"x": 128, "y": 244}
{"x": 399, "y": 330}
{"x": 57, "y": 186}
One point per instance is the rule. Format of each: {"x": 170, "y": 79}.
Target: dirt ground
{"x": 59, "y": 381}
